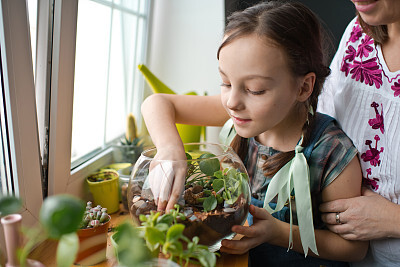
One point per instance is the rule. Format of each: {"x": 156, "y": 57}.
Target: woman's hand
{"x": 167, "y": 176}
{"x": 362, "y": 218}
{"x": 264, "y": 228}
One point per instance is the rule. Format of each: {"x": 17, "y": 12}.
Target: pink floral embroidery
{"x": 351, "y": 54}
{"x": 372, "y": 182}
{"x": 365, "y": 47}
{"x": 367, "y": 71}
{"x": 396, "y": 88}
{"x": 372, "y": 155}
{"x": 355, "y": 33}
{"x": 377, "y": 122}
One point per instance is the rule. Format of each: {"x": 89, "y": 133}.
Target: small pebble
{"x": 229, "y": 210}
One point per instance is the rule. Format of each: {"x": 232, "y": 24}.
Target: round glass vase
{"x": 216, "y": 194}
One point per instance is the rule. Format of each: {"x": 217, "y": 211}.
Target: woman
{"x": 363, "y": 94}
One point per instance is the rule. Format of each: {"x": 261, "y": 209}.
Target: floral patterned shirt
{"x": 364, "y": 96}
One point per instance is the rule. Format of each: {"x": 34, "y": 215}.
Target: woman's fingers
{"x": 338, "y": 205}
{"x": 334, "y": 218}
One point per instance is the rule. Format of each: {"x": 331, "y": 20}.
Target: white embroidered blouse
{"x": 364, "y": 96}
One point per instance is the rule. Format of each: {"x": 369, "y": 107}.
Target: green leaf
{"x": 210, "y": 203}
{"x": 61, "y": 214}
{"x": 154, "y": 237}
{"x": 231, "y": 173}
{"x": 218, "y": 184}
{"x": 207, "y": 258}
{"x": 244, "y": 176}
{"x": 67, "y": 249}
{"x": 166, "y": 218}
{"x": 209, "y": 166}
{"x": 131, "y": 249}
{"x": 175, "y": 248}
{"x": 175, "y": 231}
{"x": 163, "y": 227}
{"x": 218, "y": 174}
{"x": 9, "y": 205}
{"x": 142, "y": 218}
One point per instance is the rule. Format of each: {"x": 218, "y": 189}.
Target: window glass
{"x": 4, "y": 178}
{"x": 109, "y": 46}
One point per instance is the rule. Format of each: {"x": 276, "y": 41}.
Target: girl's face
{"x": 378, "y": 12}
{"x": 258, "y": 90}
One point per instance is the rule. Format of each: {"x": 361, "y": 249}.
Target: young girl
{"x": 272, "y": 68}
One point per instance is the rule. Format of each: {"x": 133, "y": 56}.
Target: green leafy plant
{"x": 216, "y": 197}
{"x": 9, "y": 205}
{"x": 130, "y": 247}
{"x": 164, "y": 233}
{"x": 210, "y": 186}
{"x": 60, "y": 217}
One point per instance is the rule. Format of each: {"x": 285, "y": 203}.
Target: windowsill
{"x": 45, "y": 252}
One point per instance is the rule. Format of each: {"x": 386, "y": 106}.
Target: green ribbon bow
{"x": 294, "y": 175}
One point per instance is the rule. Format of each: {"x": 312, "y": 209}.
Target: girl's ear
{"x": 306, "y": 86}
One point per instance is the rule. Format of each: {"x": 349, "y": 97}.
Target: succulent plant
{"x": 94, "y": 217}
{"x": 102, "y": 175}
{"x": 131, "y": 137}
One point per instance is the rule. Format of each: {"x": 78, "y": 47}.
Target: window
{"x": 110, "y": 42}
{"x": 96, "y": 46}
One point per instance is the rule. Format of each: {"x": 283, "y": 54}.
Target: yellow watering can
{"x": 188, "y": 133}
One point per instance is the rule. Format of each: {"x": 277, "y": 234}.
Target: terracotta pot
{"x": 92, "y": 244}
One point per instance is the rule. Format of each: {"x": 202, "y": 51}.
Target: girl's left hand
{"x": 262, "y": 230}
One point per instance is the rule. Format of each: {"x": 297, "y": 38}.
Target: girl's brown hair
{"x": 378, "y": 33}
{"x": 297, "y": 30}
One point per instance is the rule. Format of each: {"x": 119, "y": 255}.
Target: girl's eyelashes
{"x": 255, "y": 92}
{"x": 225, "y": 85}
{"x": 258, "y": 92}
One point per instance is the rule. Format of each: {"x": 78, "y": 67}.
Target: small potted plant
{"x": 104, "y": 186}
{"x": 129, "y": 148}
{"x": 93, "y": 235}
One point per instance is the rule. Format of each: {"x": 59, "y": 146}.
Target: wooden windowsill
{"x": 45, "y": 252}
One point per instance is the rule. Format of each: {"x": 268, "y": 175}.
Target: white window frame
{"x": 60, "y": 177}
{"x": 16, "y": 60}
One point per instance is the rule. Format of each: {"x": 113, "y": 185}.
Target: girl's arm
{"x": 330, "y": 245}
{"x": 162, "y": 111}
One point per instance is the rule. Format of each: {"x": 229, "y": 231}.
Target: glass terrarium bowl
{"x": 216, "y": 195}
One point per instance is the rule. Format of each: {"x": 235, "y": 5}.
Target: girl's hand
{"x": 167, "y": 176}
{"x": 264, "y": 229}
{"x": 363, "y": 218}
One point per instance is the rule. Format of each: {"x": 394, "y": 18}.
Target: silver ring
{"x": 338, "y": 218}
